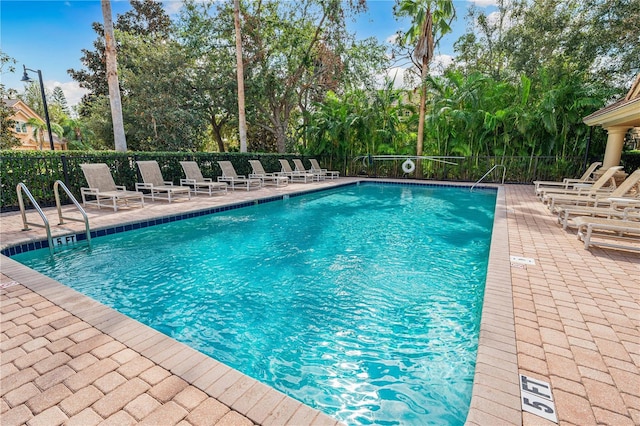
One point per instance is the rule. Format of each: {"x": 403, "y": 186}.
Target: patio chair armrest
{"x": 187, "y": 181}
{"x": 121, "y": 187}
{"x": 168, "y": 183}
{"x": 91, "y": 191}
{"x": 624, "y": 201}
{"x": 143, "y": 185}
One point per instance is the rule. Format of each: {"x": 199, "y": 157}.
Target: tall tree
{"x": 58, "y": 98}
{"x": 431, "y": 20}
{"x": 161, "y": 113}
{"x": 145, "y": 17}
{"x": 288, "y": 45}
{"x": 597, "y": 39}
{"x": 206, "y": 34}
{"x": 32, "y": 96}
{"x": 119, "y": 137}
{"x": 242, "y": 119}
{"x": 7, "y": 138}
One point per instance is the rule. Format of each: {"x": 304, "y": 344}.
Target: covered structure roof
{"x": 624, "y": 112}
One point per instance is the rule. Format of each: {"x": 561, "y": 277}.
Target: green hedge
{"x": 38, "y": 170}
{"x": 630, "y": 160}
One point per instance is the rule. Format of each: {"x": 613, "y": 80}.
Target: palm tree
{"x": 39, "y": 127}
{"x": 431, "y": 20}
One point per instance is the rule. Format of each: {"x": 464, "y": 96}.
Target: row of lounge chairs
{"x": 103, "y": 192}
{"x": 603, "y": 212}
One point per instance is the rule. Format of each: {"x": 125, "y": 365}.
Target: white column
{"x": 615, "y": 141}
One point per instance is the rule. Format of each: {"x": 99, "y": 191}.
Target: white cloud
{"x": 392, "y": 38}
{"x": 71, "y": 89}
{"x": 172, "y": 7}
{"x": 397, "y": 75}
{"x": 483, "y": 3}
{"x": 407, "y": 76}
{"x": 493, "y": 18}
{"x": 440, "y": 63}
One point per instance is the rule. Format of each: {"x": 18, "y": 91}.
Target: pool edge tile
{"x": 497, "y": 335}
{"x": 117, "y": 325}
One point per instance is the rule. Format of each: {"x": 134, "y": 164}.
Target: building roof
{"x": 624, "y": 112}
{"x": 10, "y": 102}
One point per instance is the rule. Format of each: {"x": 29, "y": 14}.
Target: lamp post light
{"x": 26, "y": 78}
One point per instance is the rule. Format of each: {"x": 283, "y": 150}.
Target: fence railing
{"x": 470, "y": 169}
{"x": 40, "y": 170}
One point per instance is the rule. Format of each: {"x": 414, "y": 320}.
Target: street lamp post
{"x": 25, "y": 77}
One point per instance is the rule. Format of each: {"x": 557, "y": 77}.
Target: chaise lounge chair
{"x": 618, "y": 203}
{"x": 266, "y": 178}
{"x": 200, "y": 184}
{"x": 315, "y": 167}
{"x": 295, "y": 175}
{"x": 567, "y": 182}
{"x": 612, "y": 229}
{"x": 104, "y": 190}
{"x": 229, "y": 175}
{"x": 581, "y": 193}
{"x": 156, "y": 185}
{"x": 317, "y": 175}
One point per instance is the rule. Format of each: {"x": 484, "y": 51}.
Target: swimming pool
{"x": 346, "y": 310}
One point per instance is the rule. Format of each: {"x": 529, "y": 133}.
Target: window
{"x": 21, "y": 127}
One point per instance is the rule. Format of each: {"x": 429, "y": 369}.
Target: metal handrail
{"x": 504, "y": 172}
{"x": 85, "y": 219}
{"x": 19, "y": 189}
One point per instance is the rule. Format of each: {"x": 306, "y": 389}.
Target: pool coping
{"x": 495, "y": 395}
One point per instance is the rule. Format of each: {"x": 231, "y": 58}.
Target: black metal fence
{"x": 39, "y": 170}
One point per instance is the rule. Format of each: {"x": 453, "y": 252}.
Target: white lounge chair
{"x": 103, "y": 191}
{"x": 618, "y": 203}
{"x": 317, "y": 175}
{"x": 266, "y": 178}
{"x": 159, "y": 188}
{"x": 553, "y": 196}
{"x": 230, "y": 176}
{"x": 610, "y": 229}
{"x": 295, "y": 175}
{"x": 595, "y": 195}
{"x": 567, "y": 182}
{"x": 315, "y": 167}
{"x": 625, "y": 213}
{"x": 200, "y": 184}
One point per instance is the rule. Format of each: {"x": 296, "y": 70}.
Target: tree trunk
{"x": 216, "y": 129}
{"x": 421, "y": 116}
{"x": 112, "y": 79}
{"x": 281, "y": 139}
{"x": 242, "y": 121}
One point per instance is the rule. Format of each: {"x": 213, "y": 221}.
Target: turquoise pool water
{"x": 362, "y": 301}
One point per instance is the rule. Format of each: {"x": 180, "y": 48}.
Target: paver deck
{"x": 572, "y": 319}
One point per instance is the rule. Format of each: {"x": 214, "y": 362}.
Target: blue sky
{"x": 49, "y": 35}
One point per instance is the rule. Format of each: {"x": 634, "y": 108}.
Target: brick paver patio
{"x": 572, "y": 319}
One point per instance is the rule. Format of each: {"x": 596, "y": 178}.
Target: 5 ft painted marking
{"x": 63, "y": 241}
{"x": 536, "y": 398}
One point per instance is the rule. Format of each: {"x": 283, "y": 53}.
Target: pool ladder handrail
{"x": 20, "y": 188}
{"x": 84, "y": 219}
{"x": 504, "y": 172}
